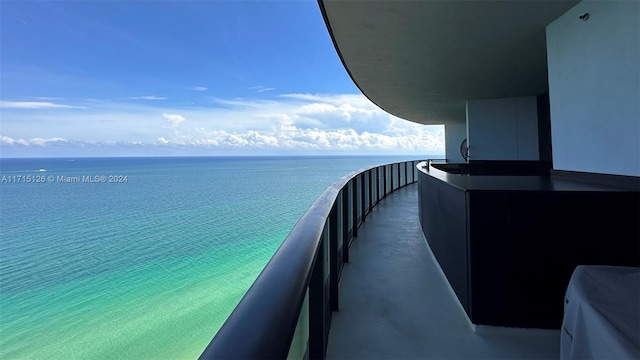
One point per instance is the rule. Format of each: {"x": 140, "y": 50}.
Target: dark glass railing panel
{"x": 300, "y": 341}
{"x": 336, "y": 260}
{"x": 358, "y": 180}
{"x": 388, "y": 176}
{"x": 396, "y": 174}
{"x": 350, "y": 208}
{"x": 367, "y": 194}
{"x": 287, "y": 311}
{"x": 374, "y": 187}
{"x": 381, "y": 184}
{"x": 346, "y": 234}
{"x": 340, "y": 221}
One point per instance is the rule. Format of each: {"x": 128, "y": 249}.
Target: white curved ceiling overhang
{"x": 421, "y": 60}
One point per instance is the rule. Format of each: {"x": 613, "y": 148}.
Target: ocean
{"x": 142, "y": 258}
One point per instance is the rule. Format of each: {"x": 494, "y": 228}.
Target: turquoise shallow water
{"x": 145, "y": 269}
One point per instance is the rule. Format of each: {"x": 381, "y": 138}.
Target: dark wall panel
{"x": 443, "y": 220}
{"x": 509, "y": 254}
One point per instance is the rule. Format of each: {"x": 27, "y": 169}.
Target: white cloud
{"x": 173, "y": 119}
{"x": 35, "y": 105}
{"x": 48, "y": 98}
{"x": 353, "y": 99}
{"x": 300, "y": 139}
{"x": 310, "y": 111}
{"x": 5, "y": 140}
{"x": 296, "y": 141}
{"x": 287, "y": 123}
{"x": 147, "y": 97}
{"x": 261, "y": 88}
{"x": 44, "y": 142}
{"x": 199, "y": 88}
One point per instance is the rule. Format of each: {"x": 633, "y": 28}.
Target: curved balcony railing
{"x": 286, "y": 313}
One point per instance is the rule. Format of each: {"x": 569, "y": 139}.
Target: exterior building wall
{"x": 503, "y": 129}
{"x": 594, "y": 88}
{"x": 454, "y": 134}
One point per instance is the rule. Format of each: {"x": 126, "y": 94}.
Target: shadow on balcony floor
{"x": 395, "y": 302}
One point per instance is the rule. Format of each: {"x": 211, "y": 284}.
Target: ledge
{"x": 516, "y": 182}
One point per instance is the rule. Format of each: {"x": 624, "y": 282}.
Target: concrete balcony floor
{"x": 395, "y": 302}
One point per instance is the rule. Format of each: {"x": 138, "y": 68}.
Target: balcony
{"x": 287, "y": 311}
{"x": 357, "y": 263}
{"x": 395, "y": 302}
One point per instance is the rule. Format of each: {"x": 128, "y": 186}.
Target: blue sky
{"x": 138, "y": 78}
